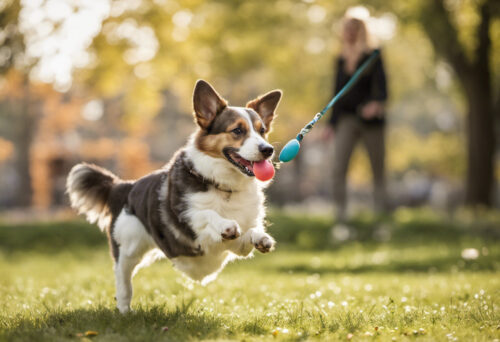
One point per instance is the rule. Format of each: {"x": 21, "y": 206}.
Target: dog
{"x": 201, "y": 210}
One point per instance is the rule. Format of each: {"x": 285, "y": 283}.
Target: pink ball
{"x": 263, "y": 170}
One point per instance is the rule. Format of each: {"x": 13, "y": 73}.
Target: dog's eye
{"x": 262, "y": 131}
{"x": 237, "y": 131}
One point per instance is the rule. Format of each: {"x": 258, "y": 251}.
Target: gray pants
{"x": 347, "y": 133}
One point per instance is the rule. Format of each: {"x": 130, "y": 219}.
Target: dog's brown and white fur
{"x": 203, "y": 209}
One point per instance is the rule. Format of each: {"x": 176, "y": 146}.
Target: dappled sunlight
{"x": 328, "y": 306}
{"x": 413, "y": 254}
{"x": 58, "y": 34}
{"x": 415, "y": 284}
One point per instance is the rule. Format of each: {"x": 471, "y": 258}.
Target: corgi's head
{"x": 234, "y": 134}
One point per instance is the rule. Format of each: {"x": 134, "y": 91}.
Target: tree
{"x": 146, "y": 50}
{"x": 475, "y": 77}
{"x": 25, "y": 124}
{"x": 25, "y": 103}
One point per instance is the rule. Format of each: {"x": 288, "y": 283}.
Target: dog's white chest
{"x": 245, "y": 207}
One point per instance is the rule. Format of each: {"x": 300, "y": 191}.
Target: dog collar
{"x": 189, "y": 165}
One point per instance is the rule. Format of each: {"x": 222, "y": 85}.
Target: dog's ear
{"x": 265, "y": 105}
{"x": 206, "y": 103}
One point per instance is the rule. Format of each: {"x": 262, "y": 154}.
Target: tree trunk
{"x": 24, "y": 141}
{"x": 475, "y": 78}
{"x": 481, "y": 121}
{"x": 481, "y": 143}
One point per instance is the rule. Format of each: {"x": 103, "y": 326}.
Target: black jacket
{"x": 371, "y": 86}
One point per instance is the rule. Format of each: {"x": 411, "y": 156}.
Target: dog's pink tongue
{"x": 263, "y": 170}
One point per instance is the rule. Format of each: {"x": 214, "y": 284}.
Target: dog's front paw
{"x": 230, "y": 230}
{"x": 264, "y": 243}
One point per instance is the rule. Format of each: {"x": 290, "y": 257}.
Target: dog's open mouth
{"x": 245, "y": 166}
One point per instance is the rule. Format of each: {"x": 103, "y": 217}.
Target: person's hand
{"x": 372, "y": 109}
{"x": 328, "y": 133}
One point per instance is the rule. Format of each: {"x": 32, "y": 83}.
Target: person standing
{"x": 359, "y": 115}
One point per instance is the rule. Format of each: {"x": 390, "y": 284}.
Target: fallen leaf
{"x": 90, "y": 333}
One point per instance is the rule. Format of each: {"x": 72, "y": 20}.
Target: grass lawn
{"x": 403, "y": 279}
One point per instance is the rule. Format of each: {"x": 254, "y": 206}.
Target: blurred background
{"x": 110, "y": 82}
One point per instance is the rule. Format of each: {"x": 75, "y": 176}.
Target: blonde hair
{"x": 364, "y": 43}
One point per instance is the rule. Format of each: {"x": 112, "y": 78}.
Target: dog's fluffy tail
{"x": 89, "y": 188}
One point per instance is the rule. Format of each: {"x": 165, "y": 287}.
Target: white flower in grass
{"x": 470, "y": 254}
{"x": 340, "y": 232}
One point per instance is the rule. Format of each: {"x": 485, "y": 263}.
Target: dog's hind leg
{"x": 123, "y": 273}
{"x": 133, "y": 241}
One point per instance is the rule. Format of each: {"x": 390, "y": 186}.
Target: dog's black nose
{"x": 266, "y": 150}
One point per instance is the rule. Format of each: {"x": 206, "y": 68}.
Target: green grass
{"x": 56, "y": 283}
